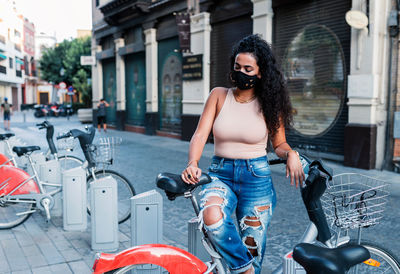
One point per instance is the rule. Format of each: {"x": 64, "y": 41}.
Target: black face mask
{"x": 243, "y": 81}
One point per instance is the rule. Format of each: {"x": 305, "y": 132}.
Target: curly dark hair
{"x": 270, "y": 91}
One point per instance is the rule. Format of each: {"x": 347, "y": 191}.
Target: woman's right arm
{"x": 192, "y": 172}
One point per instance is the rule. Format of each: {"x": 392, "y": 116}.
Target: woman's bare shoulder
{"x": 219, "y": 92}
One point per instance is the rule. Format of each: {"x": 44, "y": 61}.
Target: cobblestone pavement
{"x": 37, "y": 247}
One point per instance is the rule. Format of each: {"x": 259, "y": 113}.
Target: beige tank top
{"x": 239, "y": 130}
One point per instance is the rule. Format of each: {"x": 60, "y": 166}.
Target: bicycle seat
{"x": 321, "y": 260}
{"x": 5, "y": 136}
{"x": 173, "y": 185}
{"x": 23, "y": 150}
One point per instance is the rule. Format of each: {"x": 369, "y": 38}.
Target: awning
{"x": 2, "y": 56}
{"x": 19, "y": 61}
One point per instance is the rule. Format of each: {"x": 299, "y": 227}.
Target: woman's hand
{"x": 191, "y": 174}
{"x": 294, "y": 168}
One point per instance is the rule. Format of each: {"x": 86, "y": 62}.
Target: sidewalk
{"x": 35, "y": 247}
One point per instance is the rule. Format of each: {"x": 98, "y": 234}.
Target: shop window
{"x": 314, "y": 68}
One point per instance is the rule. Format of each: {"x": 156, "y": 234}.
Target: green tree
{"x": 66, "y": 57}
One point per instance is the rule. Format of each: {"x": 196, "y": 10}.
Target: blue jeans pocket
{"x": 261, "y": 171}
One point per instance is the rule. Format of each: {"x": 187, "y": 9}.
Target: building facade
{"x": 11, "y": 54}
{"x": 30, "y": 84}
{"x": 341, "y": 79}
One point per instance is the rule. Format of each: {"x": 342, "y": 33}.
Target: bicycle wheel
{"x": 383, "y": 261}
{"x": 125, "y": 192}
{"x": 14, "y": 212}
{"x": 69, "y": 161}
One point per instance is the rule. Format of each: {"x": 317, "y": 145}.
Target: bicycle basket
{"x": 354, "y": 200}
{"x": 104, "y": 151}
{"x": 67, "y": 144}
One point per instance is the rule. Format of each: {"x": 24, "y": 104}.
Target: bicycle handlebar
{"x": 65, "y": 135}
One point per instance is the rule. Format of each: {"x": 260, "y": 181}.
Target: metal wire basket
{"x": 67, "y": 144}
{"x": 104, "y": 151}
{"x": 354, "y": 200}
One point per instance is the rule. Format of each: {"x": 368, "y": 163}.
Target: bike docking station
{"x": 146, "y": 225}
{"x": 74, "y": 199}
{"x": 195, "y": 243}
{"x": 50, "y": 174}
{"x": 104, "y": 214}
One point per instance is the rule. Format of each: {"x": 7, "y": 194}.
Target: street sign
{"x": 88, "y": 60}
{"x": 62, "y": 85}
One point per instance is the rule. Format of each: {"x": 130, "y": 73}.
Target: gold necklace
{"x": 239, "y": 100}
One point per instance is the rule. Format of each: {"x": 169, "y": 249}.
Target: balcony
{"x": 3, "y": 69}
{"x": 118, "y": 10}
{"x": 19, "y": 73}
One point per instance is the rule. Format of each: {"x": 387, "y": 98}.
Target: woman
{"x": 242, "y": 119}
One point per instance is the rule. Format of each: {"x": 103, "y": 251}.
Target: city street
{"x": 35, "y": 247}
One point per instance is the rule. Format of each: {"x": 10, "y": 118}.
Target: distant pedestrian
{"x": 6, "y": 109}
{"x": 101, "y": 114}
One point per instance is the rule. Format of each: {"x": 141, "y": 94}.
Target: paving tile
{"x": 79, "y": 267}
{"x": 60, "y": 269}
{"x": 122, "y": 237}
{"x": 62, "y": 245}
{"x": 6, "y": 234}
{"x": 26, "y": 271}
{"x": 71, "y": 255}
{"x": 22, "y": 236}
{"x": 34, "y": 257}
{"x": 4, "y": 266}
{"x": 14, "y": 255}
{"x": 80, "y": 244}
{"x": 42, "y": 270}
{"x": 51, "y": 253}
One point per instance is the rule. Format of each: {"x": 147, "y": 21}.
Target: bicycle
{"x": 22, "y": 194}
{"x": 104, "y": 154}
{"x": 327, "y": 257}
{"x": 66, "y": 161}
{"x": 354, "y": 202}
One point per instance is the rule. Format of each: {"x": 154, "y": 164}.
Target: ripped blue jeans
{"x": 245, "y": 185}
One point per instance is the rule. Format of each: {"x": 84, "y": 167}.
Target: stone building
{"x": 341, "y": 78}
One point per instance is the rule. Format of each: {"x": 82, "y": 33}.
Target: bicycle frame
{"x": 10, "y": 152}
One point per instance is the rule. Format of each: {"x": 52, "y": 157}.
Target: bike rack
{"x": 195, "y": 245}
{"x": 104, "y": 214}
{"x": 74, "y": 199}
{"x": 147, "y": 224}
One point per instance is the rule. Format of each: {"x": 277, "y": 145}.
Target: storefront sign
{"x": 356, "y": 19}
{"x": 88, "y": 60}
{"x": 183, "y": 23}
{"x": 192, "y": 67}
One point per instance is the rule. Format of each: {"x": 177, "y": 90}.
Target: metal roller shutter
{"x": 223, "y": 36}
{"x": 312, "y": 43}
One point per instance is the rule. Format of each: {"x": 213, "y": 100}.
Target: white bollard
{"x": 74, "y": 199}
{"x": 104, "y": 214}
{"x": 146, "y": 224}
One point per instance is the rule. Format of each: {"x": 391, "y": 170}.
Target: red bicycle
{"x": 313, "y": 258}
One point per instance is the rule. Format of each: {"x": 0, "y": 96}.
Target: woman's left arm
{"x": 284, "y": 151}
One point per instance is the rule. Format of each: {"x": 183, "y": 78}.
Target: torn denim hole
{"x": 200, "y": 217}
{"x": 256, "y": 218}
{"x": 244, "y": 225}
{"x": 252, "y": 247}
